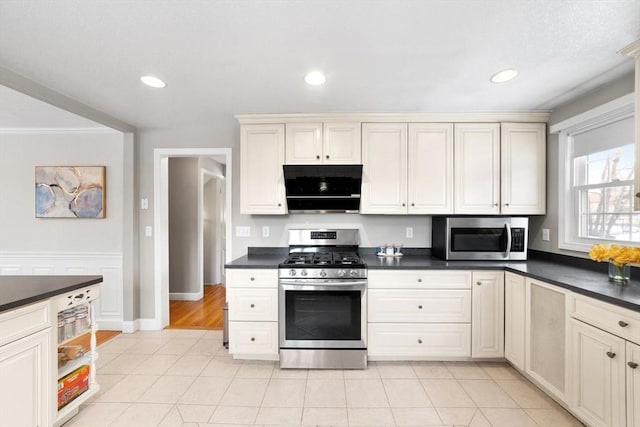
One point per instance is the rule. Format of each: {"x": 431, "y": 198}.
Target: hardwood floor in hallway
{"x": 203, "y": 314}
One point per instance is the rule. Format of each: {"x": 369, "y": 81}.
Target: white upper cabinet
{"x": 523, "y": 168}
{"x": 261, "y": 177}
{"x": 430, "y": 173}
{"x": 477, "y": 168}
{"x": 318, "y": 143}
{"x": 384, "y": 168}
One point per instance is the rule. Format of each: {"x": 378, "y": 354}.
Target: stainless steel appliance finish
{"x": 480, "y": 238}
{"x": 322, "y": 301}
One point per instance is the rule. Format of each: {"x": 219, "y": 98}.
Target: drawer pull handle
{"x": 632, "y": 365}
{"x": 252, "y": 279}
{"x": 479, "y": 283}
{"x": 611, "y": 354}
{"x": 252, "y": 305}
{"x": 420, "y": 307}
{"x": 253, "y": 338}
{"x": 419, "y": 280}
{"x": 623, "y": 324}
{"x": 419, "y": 341}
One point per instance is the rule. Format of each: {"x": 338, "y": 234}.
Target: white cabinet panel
{"x": 253, "y": 304}
{"x": 487, "y": 333}
{"x": 342, "y": 143}
{"x": 384, "y": 173}
{"x": 252, "y": 278}
{"x": 415, "y": 341}
{"x": 23, "y": 321}
{"x": 477, "y": 168}
{"x": 261, "y": 176}
{"x": 514, "y": 319}
{"x": 598, "y": 368}
{"x": 253, "y": 339}
{"x": 420, "y": 306}
{"x": 419, "y": 279}
{"x": 303, "y": 143}
{"x": 633, "y": 385}
{"x": 523, "y": 168}
{"x": 430, "y": 168}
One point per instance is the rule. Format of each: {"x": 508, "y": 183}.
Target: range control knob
{"x": 353, "y": 273}
{"x": 292, "y": 272}
{"x": 342, "y": 272}
{"x": 323, "y": 273}
{"x": 303, "y": 273}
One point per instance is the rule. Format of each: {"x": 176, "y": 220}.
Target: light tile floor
{"x": 185, "y": 378}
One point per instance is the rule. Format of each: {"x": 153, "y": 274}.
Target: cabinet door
{"x": 384, "y": 172}
{"x": 477, "y": 168}
{"x": 514, "y": 324}
{"x": 430, "y": 173}
{"x": 598, "y": 376}
{"x": 304, "y": 143}
{"x": 633, "y": 385}
{"x": 546, "y": 336}
{"x": 25, "y": 370}
{"x": 487, "y": 308}
{"x": 523, "y": 168}
{"x": 342, "y": 143}
{"x": 261, "y": 176}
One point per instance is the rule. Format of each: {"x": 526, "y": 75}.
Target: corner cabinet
{"x": 514, "y": 319}
{"x": 323, "y": 143}
{"x": 261, "y": 176}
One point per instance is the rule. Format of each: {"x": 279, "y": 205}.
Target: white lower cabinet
{"x": 417, "y": 314}
{"x": 598, "y": 376}
{"x": 487, "y": 323}
{"x": 633, "y": 384}
{"x": 252, "y": 295}
{"x": 514, "y": 319}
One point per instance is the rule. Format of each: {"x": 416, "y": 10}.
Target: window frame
{"x": 568, "y": 199}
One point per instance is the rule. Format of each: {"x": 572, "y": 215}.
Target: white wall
{"x": 20, "y": 230}
{"x": 604, "y": 94}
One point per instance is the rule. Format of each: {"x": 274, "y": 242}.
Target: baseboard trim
{"x": 111, "y": 325}
{"x": 186, "y": 296}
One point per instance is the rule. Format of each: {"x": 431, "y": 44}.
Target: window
{"x": 597, "y": 177}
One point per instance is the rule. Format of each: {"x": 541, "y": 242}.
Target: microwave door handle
{"x": 507, "y": 251}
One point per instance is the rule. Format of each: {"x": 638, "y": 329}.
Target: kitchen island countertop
{"x": 578, "y": 279}
{"x": 16, "y": 291}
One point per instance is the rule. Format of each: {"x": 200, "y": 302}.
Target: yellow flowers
{"x": 618, "y": 255}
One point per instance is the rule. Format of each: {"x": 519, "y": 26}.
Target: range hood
{"x": 323, "y": 188}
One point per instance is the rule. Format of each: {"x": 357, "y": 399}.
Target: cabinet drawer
{"x": 412, "y": 341}
{"x": 419, "y": 279}
{"x": 253, "y": 338}
{"x": 254, "y": 278}
{"x": 253, "y": 304}
{"x": 616, "y": 320}
{"x": 24, "y": 321}
{"x": 419, "y": 305}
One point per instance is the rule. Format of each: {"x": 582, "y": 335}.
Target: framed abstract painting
{"x": 70, "y": 191}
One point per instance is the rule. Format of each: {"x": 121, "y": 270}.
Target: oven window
{"x": 322, "y": 315}
{"x": 478, "y": 239}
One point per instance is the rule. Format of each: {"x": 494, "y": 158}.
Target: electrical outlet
{"x": 148, "y": 231}
{"x": 144, "y": 203}
{"x": 546, "y": 234}
{"x": 243, "y": 231}
{"x": 409, "y": 233}
{"x": 265, "y": 231}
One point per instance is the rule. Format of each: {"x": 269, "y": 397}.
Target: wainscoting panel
{"x": 109, "y": 313}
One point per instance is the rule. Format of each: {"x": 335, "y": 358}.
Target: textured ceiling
{"x": 221, "y": 58}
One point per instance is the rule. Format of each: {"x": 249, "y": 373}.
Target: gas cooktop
{"x": 323, "y": 259}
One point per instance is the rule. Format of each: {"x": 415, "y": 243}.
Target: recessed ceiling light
{"x": 504, "y": 75}
{"x": 315, "y": 78}
{"x": 152, "y": 81}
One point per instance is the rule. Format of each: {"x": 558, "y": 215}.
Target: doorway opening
{"x": 203, "y": 227}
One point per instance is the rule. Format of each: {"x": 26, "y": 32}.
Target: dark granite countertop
{"x": 582, "y": 276}
{"x": 16, "y": 291}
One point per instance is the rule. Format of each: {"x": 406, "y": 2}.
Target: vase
{"x": 619, "y": 274}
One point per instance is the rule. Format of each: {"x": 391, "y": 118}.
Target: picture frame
{"x": 70, "y": 191}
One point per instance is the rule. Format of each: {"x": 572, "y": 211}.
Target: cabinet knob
{"x": 506, "y": 204}
{"x": 611, "y": 354}
{"x": 632, "y": 365}
{"x": 253, "y": 338}
{"x": 419, "y": 341}
{"x": 252, "y": 305}
{"x": 638, "y": 195}
{"x": 420, "y": 307}
{"x": 623, "y": 324}
{"x": 419, "y": 280}
{"x": 478, "y": 283}
{"x": 495, "y": 204}
{"x": 318, "y": 157}
{"x": 404, "y": 204}
{"x": 327, "y": 156}
{"x": 413, "y": 204}
{"x": 279, "y": 204}
{"x": 252, "y": 279}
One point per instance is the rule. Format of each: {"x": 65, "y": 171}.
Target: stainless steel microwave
{"x": 480, "y": 238}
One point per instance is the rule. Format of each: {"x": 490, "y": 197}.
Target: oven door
{"x": 322, "y": 314}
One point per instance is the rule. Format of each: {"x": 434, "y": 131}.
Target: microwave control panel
{"x": 517, "y": 239}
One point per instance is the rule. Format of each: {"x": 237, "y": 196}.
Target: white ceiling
{"x": 223, "y": 57}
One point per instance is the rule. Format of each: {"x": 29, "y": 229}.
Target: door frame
{"x": 161, "y": 221}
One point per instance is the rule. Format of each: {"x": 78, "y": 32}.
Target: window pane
{"x": 606, "y": 166}
{"x": 623, "y": 227}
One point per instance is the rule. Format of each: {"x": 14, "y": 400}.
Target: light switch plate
{"x": 144, "y": 203}
{"x": 148, "y": 231}
{"x": 409, "y": 233}
{"x": 242, "y": 231}
{"x": 546, "y": 234}
{"x": 265, "y": 231}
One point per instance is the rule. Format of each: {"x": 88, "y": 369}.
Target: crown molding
{"x": 26, "y": 131}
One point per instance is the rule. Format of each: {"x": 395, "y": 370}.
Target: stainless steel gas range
{"x": 322, "y": 301}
